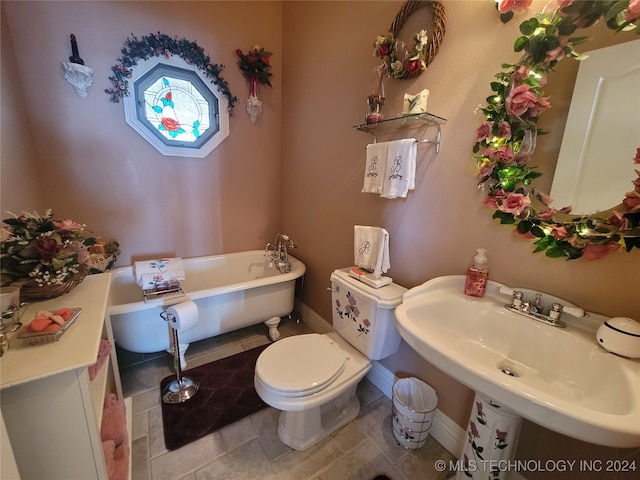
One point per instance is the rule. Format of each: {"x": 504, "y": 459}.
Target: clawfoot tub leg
{"x": 273, "y": 328}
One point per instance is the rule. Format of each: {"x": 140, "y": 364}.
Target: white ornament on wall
{"x": 75, "y": 72}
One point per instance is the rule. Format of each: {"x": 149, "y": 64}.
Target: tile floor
{"x": 250, "y": 448}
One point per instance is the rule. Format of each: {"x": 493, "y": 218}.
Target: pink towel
{"x": 121, "y": 462}
{"x": 108, "y": 448}
{"x": 103, "y": 353}
{"x": 114, "y": 423}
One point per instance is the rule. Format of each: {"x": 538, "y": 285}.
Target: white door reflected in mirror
{"x": 595, "y": 166}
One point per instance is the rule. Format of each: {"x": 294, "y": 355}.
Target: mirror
{"x": 506, "y": 140}
{"x": 603, "y": 126}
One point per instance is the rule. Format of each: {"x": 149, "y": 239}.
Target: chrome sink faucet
{"x": 279, "y": 252}
{"x": 535, "y": 310}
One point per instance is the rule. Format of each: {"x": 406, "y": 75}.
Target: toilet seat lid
{"x": 301, "y": 363}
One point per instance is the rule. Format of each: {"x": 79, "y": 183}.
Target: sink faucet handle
{"x": 503, "y": 289}
{"x": 575, "y": 311}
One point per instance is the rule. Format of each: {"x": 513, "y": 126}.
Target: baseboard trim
{"x": 444, "y": 430}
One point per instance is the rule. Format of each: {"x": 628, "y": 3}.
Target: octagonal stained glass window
{"x": 176, "y": 109}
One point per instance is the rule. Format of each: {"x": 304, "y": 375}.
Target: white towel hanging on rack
{"x": 375, "y": 167}
{"x": 400, "y": 172}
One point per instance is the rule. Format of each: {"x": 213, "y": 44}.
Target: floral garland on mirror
{"x": 506, "y": 140}
{"x": 155, "y": 45}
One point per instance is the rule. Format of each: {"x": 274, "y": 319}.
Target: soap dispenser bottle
{"x": 477, "y": 275}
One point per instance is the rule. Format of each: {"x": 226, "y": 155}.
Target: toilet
{"x": 312, "y": 378}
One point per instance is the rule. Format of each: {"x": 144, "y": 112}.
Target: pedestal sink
{"x": 559, "y": 378}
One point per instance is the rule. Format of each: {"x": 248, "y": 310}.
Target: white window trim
{"x": 130, "y": 111}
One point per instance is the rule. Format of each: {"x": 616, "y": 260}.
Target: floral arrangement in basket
{"x": 44, "y": 254}
{"x": 506, "y": 140}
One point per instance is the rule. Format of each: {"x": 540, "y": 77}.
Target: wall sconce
{"x": 75, "y": 72}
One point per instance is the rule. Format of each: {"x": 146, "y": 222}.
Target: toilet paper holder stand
{"x": 182, "y": 388}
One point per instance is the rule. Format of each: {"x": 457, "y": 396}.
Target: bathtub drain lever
{"x": 182, "y": 388}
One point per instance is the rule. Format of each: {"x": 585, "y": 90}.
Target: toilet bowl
{"x": 312, "y": 378}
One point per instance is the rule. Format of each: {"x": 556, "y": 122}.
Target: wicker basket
{"x": 30, "y": 290}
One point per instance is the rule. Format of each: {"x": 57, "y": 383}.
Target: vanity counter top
{"x": 77, "y": 348}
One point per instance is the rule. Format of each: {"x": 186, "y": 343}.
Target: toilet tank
{"x": 364, "y": 315}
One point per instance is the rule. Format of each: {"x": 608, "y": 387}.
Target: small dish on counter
{"x": 39, "y": 338}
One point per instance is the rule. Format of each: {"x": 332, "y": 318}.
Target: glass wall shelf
{"x": 405, "y": 121}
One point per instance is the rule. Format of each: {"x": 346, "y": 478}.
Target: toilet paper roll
{"x": 183, "y": 316}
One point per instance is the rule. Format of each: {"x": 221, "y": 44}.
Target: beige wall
{"x": 98, "y": 170}
{"x": 299, "y": 169}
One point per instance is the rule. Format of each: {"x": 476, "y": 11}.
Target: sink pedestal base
{"x": 492, "y": 437}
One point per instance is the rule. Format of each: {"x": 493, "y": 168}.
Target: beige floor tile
{"x": 247, "y": 461}
{"x": 362, "y": 463}
{"x": 420, "y": 463}
{"x": 297, "y": 465}
{"x": 139, "y": 426}
{"x": 237, "y": 433}
{"x": 265, "y": 423}
{"x": 177, "y": 463}
{"x": 140, "y": 466}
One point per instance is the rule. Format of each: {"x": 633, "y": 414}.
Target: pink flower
{"x": 504, "y": 154}
{"x": 484, "y": 131}
{"x": 542, "y": 104}
{"x": 547, "y": 214}
{"x": 67, "y": 225}
{"x": 514, "y": 203}
{"x": 414, "y": 66}
{"x": 486, "y": 169}
{"x": 46, "y": 249}
{"x": 504, "y": 130}
{"x": 558, "y": 52}
{"x": 79, "y": 249}
{"x": 559, "y": 232}
{"x": 633, "y": 11}
{"x": 492, "y": 200}
{"x": 617, "y": 220}
{"x": 594, "y": 251}
{"x": 631, "y": 202}
{"x": 521, "y": 73}
{"x": 544, "y": 198}
{"x": 520, "y": 100}
{"x": 505, "y": 6}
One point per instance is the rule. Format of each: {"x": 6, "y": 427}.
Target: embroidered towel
{"x": 371, "y": 249}
{"x": 400, "y": 171}
{"x": 375, "y": 167}
{"x": 172, "y": 267}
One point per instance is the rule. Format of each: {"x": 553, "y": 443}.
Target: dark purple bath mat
{"x": 226, "y": 395}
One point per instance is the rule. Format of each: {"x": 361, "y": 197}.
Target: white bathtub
{"x": 232, "y": 291}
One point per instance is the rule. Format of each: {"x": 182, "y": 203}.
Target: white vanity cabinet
{"x": 51, "y": 410}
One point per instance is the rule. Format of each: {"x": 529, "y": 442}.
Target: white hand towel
{"x": 172, "y": 267}
{"x": 152, "y": 280}
{"x": 371, "y": 249}
{"x": 375, "y": 167}
{"x": 400, "y": 169}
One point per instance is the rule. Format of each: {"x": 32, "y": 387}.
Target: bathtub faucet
{"x": 279, "y": 252}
